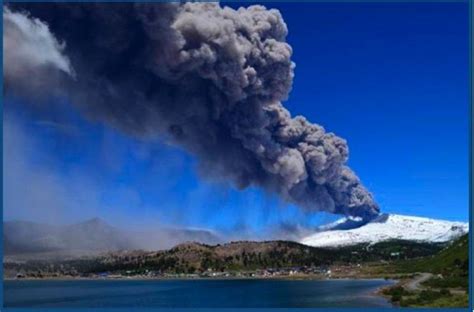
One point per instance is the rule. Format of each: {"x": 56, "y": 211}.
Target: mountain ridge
{"x": 91, "y": 236}
{"x": 94, "y": 236}
{"x": 346, "y": 232}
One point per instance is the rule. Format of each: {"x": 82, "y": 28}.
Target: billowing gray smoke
{"x": 212, "y": 80}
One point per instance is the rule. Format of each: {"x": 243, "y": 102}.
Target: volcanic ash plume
{"x": 210, "y": 79}
{"x": 32, "y": 57}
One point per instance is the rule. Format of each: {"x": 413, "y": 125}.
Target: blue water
{"x": 247, "y": 293}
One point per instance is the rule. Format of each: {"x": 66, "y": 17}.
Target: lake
{"x": 244, "y": 293}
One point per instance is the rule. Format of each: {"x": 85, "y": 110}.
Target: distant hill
{"x": 453, "y": 260}
{"x": 94, "y": 235}
{"x": 346, "y": 232}
{"x": 249, "y": 255}
{"x": 451, "y": 265}
{"x": 234, "y": 256}
{"x": 91, "y": 236}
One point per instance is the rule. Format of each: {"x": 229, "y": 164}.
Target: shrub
{"x": 396, "y": 297}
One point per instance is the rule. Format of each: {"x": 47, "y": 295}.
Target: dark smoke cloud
{"x": 212, "y": 80}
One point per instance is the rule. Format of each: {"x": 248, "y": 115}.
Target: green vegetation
{"x": 450, "y": 266}
{"x": 451, "y": 261}
{"x": 425, "y": 298}
{"x": 393, "y": 250}
{"x": 395, "y": 293}
{"x": 445, "y": 302}
{"x": 430, "y": 298}
{"x": 457, "y": 281}
{"x": 447, "y": 288}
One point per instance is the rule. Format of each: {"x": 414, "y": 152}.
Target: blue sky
{"x": 392, "y": 79}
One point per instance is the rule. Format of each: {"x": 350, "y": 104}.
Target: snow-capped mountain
{"x": 349, "y": 231}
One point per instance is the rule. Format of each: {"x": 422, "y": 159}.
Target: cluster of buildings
{"x": 290, "y": 271}
{"x": 209, "y": 273}
{"x": 258, "y": 273}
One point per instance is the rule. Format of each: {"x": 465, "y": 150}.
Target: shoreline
{"x": 287, "y": 278}
{"x": 379, "y": 292}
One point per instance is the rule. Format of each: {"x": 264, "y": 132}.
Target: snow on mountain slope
{"x": 385, "y": 227}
